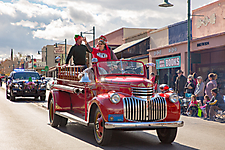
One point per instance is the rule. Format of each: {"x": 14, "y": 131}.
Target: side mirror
{"x": 150, "y": 64}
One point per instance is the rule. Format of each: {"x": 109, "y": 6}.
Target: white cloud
{"x": 7, "y": 9}
{"x": 26, "y": 23}
{"x": 41, "y": 22}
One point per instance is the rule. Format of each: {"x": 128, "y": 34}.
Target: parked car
{"x": 25, "y": 83}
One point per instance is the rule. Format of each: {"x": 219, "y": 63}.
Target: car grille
{"x": 144, "y": 93}
{"x": 145, "y": 110}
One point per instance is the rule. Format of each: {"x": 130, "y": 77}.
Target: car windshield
{"x": 120, "y": 67}
{"x": 26, "y": 75}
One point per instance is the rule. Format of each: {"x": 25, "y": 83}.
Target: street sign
{"x": 60, "y": 49}
{"x": 46, "y": 68}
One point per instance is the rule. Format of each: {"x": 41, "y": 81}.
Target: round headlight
{"x": 115, "y": 98}
{"x": 174, "y": 98}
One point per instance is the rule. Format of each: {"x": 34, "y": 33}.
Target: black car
{"x": 25, "y": 83}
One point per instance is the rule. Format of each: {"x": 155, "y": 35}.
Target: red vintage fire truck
{"x": 113, "y": 95}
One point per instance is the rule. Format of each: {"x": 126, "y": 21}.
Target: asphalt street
{"x": 25, "y": 125}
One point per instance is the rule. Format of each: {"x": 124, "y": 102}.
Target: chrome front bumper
{"x": 143, "y": 125}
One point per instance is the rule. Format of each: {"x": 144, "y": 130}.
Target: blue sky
{"x": 27, "y": 26}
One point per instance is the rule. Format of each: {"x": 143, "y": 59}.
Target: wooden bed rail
{"x": 69, "y": 72}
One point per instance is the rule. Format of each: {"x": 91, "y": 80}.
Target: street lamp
{"x": 39, "y": 52}
{"x": 65, "y": 50}
{"x": 167, "y": 4}
{"x": 87, "y": 32}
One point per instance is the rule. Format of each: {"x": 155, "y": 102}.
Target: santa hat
{"x": 103, "y": 39}
{"x": 77, "y": 37}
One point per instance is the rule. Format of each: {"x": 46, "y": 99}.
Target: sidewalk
{"x": 39, "y": 103}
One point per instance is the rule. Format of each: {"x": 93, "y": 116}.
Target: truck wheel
{"x": 7, "y": 96}
{"x": 102, "y": 135}
{"x": 12, "y": 98}
{"x": 54, "y": 119}
{"x": 167, "y": 135}
{"x": 42, "y": 98}
{"x": 63, "y": 122}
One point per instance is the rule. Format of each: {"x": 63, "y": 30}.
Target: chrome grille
{"x": 142, "y": 110}
{"x": 144, "y": 93}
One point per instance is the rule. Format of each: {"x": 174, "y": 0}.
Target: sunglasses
{"x": 100, "y": 44}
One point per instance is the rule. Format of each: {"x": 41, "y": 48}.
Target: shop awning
{"x": 127, "y": 45}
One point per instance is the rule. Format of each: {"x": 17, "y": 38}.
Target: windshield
{"x": 26, "y": 75}
{"x": 120, "y": 67}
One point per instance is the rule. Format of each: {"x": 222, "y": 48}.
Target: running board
{"x": 72, "y": 117}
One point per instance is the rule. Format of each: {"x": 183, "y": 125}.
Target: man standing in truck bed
{"x": 78, "y": 51}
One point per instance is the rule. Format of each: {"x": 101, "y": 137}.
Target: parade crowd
{"x": 205, "y": 97}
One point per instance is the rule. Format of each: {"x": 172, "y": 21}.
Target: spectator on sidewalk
{"x": 195, "y": 78}
{"x": 204, "y": 105}
{"x": 180, "y": 83}
{"x": 190, "y": 85}
{"x": 0, "y": 81}
{"x": 199, "y": 89}
{"x": 214, "y": 103}
{"x": 211, "y": 84}
{"x": 193, "y": 107}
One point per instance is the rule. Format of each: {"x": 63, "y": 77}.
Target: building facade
{"x": 207, "y": 46}
{"x": 50, "y": 52}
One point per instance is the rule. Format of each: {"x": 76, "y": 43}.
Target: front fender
{"x": 106, "y": 107}
{"x": 173, "y": 109}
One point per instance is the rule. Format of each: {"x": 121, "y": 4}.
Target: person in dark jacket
{"x": 190, "y": 85}
{"x": 214, "y": 103}
{"x": 180, "y": 83}
{"x": 78, "y": 51}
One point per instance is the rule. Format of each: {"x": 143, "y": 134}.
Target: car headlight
{"x": 115, "y": 98}
{"x": 174, "y": 98}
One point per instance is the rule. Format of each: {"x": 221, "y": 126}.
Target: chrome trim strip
{"x": 141, "y": 88}
{"x": 124, "y": 109}
{"x": 144, "y": 125}
{"x": 130, "y": 109}
{"x": 72, "y": 117}
{"x": 64, "y": 88}
{"x": 137, "y": 109}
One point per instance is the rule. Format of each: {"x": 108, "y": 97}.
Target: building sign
{"x": 159, "y": 52}
{"x": 170, "y": 62}
{"x": 206, "y": 20}
{"x": 202, "y": 44}
{"x": 171, "y": 50}
{"x": 61, "y": 49}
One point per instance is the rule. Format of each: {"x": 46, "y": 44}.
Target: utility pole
{"x": 189, "y": 36}
{"x": 65, "y": 50}
{"x": 93, "y": 33}
{"x": 32, "y": 60}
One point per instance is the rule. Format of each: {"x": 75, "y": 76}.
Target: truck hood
{"x": 128, "y": 80}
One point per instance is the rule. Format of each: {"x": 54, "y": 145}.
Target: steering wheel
{"x": 130, "y": 71}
